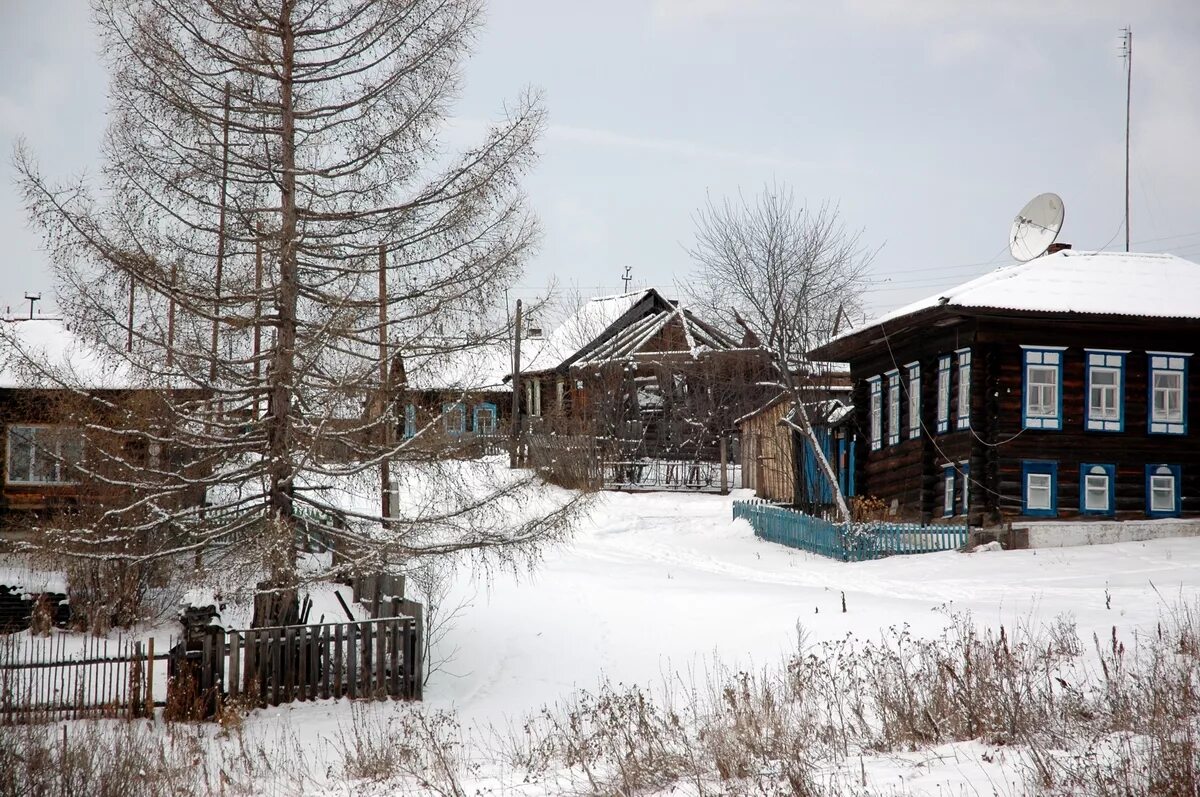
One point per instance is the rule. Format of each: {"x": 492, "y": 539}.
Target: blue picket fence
{"x": 853, "y": 543}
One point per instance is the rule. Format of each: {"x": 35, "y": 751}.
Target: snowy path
{"x": 656, "y": 584}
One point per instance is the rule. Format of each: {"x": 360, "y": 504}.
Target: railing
{"x": 850, "y": 543}
{"x": 671, "y": 475}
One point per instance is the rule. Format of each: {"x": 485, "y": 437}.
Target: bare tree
{"x": 785, "y": 274}
{"x": 277, "y": 231}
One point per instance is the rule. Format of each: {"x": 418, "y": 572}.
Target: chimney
{"x": 1057, "y": 246}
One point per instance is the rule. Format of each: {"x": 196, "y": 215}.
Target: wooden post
{"x": 150, "y": 678}
{"x": 515, "y": 422}
{"x": 171, "y": 315}
{"x": 380, "y": 660}
{"x": 337, "y": 660}
{"x": 235, "y": 664}
{"x": 352, "y": 672}
{"x": 385, "y": 396}
{"x": 724, "y": 465}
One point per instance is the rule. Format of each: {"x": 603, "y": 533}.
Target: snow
{"x": 56, "y": 355}
{"x": 1117, "y": 283}
{"x": 657, "y": 587}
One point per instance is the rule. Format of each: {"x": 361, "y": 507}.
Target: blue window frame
{"x": 949, "y": 479}
{"x": 1041, "y": 389}
{"x": 410, "y": 421}
{"x": 943, "y": 394}
{"x": 963, "y": 405}
{"x": 875, "y": 387}
{"x": 893, "y": 418}
{"x": 1162, "y": 490}
{"x": 1167, "y": 386}
{"x": 914, "y": 400}
{"x": 454, "y": 418}
{"x": 483, "y": 418}
{"x": 1104, "y": 402}
{"x": 1039, "y": 488}
{"x": 1097, "y": 489}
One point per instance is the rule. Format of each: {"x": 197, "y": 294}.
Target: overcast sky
{"x": 930, "y": 122}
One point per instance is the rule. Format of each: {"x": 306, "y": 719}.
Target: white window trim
{"x": 963, "y": 408}
{"x": 875, "y": 389}
{"x": 1105, "y": 361}
{"x": 1154, "y": 491}
{"x": 1087, "y": 491}
{"x": 914, "y": 400}
{"x": 893, "y": 380}
{"x": 949, "y": 479}
{"x": 1048, "y": 486}
{"x": 943, "y": 393}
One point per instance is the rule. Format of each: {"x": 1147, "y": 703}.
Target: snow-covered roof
{"x": 591, "y": 336}
{"x": 479, "y": 368}
{"x": 1099, "y": 283}
{"x": 45, "y": 352}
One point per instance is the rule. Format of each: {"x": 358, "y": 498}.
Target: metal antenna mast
{"x": 1127, "y": 54}
{"x": 33, "y": 297}
{"x": 627, "y": 277}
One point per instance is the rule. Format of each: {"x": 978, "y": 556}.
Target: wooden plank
{"x": 276, "y": 665}
{"x": 233, "y": 684}
{"x": 314, "y": 663}
{"x": 352, "y": 672}
{"x": 150, "y": 678}
{"x": 289, "y": 664}
{"x": 380, "y": 686}
{"x": 324, "y": 661}
{"x": 337, "y": 660}
{"x": 394, "y": 650}
{"x": 300, "y": 657}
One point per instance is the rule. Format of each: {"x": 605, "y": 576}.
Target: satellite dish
{"x": 1036, "y": 227}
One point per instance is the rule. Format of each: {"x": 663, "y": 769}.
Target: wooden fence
{"x": 850, "y": 543}
{"x": 67, "y": 676}
{"x": 64, "y": 676}
{"x": 369, "y": 658}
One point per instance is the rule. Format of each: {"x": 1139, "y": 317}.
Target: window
{"x": 43, "y": 454}
{"x": 943, "y": 394}
{"x": 875, "y": 388}
{"x": 1039, "y": 494}
{"x": 1105, "y": 390}
{"x": 1096, "y": 489}
{"x": 963, "y": 420}
{"x": 914, "y": 400}
{"x": 1168, "y": 392}
{"x": 964, "y": 472}
{"x": 410, "y": 421}
{"x": 484, "y": 418}
{"x": 893, "y": 378}
{"x": 948, "y": 479}
{"x": 1162, "y": 490}
{"x": 454, "y": 418}
{"x": 1043, "y": 394}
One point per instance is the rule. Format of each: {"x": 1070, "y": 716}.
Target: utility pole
{"x": 212, "y": 369}
{"x": 627, "y": 277}
{"x": 515, "y": 424}
{"x": 1127, "y": 54}
{"x": 385, "y": 396}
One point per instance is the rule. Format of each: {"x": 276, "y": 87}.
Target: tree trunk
{"x": 279, "y": 380}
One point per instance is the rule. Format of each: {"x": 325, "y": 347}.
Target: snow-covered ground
{"x": 659, "y": 587}
{"x": 658, "y": 584}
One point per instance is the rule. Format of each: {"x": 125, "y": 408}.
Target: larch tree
{"x": 788, "y": 276}
{"x": 280, "y": 238}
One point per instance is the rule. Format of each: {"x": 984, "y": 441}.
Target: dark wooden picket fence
{"x": 64, "y": 676}
{"x": 68, "y": 676}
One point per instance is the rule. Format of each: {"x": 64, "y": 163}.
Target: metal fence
{"x": 850, "y": 543}
{"x": 671, "y": 475}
